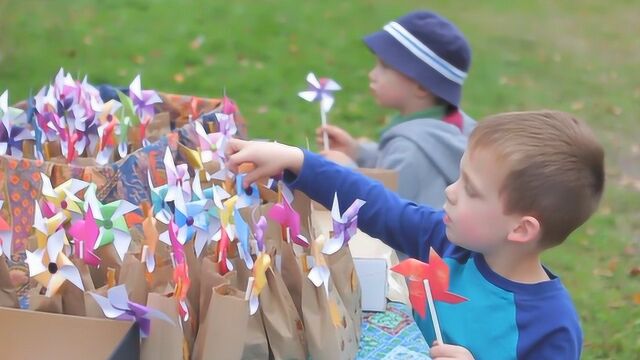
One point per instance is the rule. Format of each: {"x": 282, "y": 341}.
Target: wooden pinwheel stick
{"x": 325, "y": 136}
{"x": 432, "y": 310}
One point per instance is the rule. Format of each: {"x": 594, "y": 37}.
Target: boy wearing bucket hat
{"x": 422, "y": 62}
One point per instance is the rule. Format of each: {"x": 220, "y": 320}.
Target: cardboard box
{"x": 372, "y": 273}
{"x": 34, "y": 335}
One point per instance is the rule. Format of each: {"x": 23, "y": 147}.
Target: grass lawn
{"x": 575, "y": 56}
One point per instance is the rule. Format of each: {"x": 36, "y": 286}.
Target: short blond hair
{"x": 555, "y": 168}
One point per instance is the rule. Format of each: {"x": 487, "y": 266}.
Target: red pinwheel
{"x": 437, "y": 272}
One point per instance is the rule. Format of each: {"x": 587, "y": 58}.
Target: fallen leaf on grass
{"x": 635, "y": 271}
{"x": 602, "y": 272}
{"x": 616, "y": 304}
{"x": 197, "y": 42}
{"x": 636, "y": 298}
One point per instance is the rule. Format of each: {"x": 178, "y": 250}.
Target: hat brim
{"x": 399, "y": 58}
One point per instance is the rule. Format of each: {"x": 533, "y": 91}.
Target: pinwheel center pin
{"x": 249, "y": 191}
{"x": 53, "y": 268}
{"x": 190, "y": 220}
{"x": 107, "y": 224}
{"x": 63, "y": 204}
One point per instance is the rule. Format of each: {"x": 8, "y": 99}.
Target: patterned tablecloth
{"x": 392, "y": 334}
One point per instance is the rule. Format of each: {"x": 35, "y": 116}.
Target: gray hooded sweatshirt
{"x": 425, "y": 152}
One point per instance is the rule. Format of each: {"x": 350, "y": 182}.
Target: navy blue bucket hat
{"x": 427, "y": 48}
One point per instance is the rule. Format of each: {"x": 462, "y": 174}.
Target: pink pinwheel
{"x": 229, "y": 106}
{"x": 344, "y": 226}
{"x": 180, "y": 271}
{"x": 321, "y": 91}
{"x": 177, "y": 178}
{"x": 6, "y": 236}
{"x": 289, "y": 219}
{"x": 85, "y": 233}
{"x": 65, "y": 87}
{"x": 118, "y": 306}
{"x": 143, "y": 100}
{"x": 223, "y": 247}
{"x": 211, "y": 145}
{"x": 177, "y": 248}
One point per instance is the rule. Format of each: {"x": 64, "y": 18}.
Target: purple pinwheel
{"x": 321, "y": 91}
{"x": 344, "y": 226}
{"x": 143, "y": 100}
{"x": 177, "y": 178}
{"x": 11, "y": 137}
{"x": 260, "y": 228}
{"x": 118, "y": 306}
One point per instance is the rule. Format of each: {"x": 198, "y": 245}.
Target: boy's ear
{"x": 526, "y": 229}
{"x": 421, "y": 92}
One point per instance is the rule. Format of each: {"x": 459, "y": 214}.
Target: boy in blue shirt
{"x": 528, "y": 180}
{"x": 422, "y": 63}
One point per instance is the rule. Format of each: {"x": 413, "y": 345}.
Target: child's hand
{"x": 18, "y": 278}
{"x": 446, "y": 352}
{"x": 338, "y": 157}
{"x": 269, "y": 158}
{"x": 339, "y": 140}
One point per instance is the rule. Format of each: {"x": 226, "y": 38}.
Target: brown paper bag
{"x": 209, "y": 279}
{"x": 39, "y": 302}
{"x": 109, "y": 259}
{"x": 8, "y": 296}
{"x": 242, "y": 274}
{"x": 193, "y": 294}
{"x": 165, "y": 341}
{"x": 161, "y": 278}
{"x": 345, "y": 279}
{"x": 73, "y": 297}
{"x": 222, "y": 335}
{"x": 325, "y": 339}
{"x": 292, "y": 275}
{"x": 91, "y": 307}
{"x": 256, "y": 345}
{"x": 132, "y": 276}
{"x": 284, "y": 327}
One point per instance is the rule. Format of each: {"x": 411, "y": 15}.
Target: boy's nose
{"x": 371, "y": 74}
{"x": 449, "y": 194}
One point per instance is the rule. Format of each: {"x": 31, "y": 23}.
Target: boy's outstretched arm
{"x": 403, "y": 225}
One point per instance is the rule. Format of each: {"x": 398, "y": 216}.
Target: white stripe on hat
{"x": 425, "y": 54}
